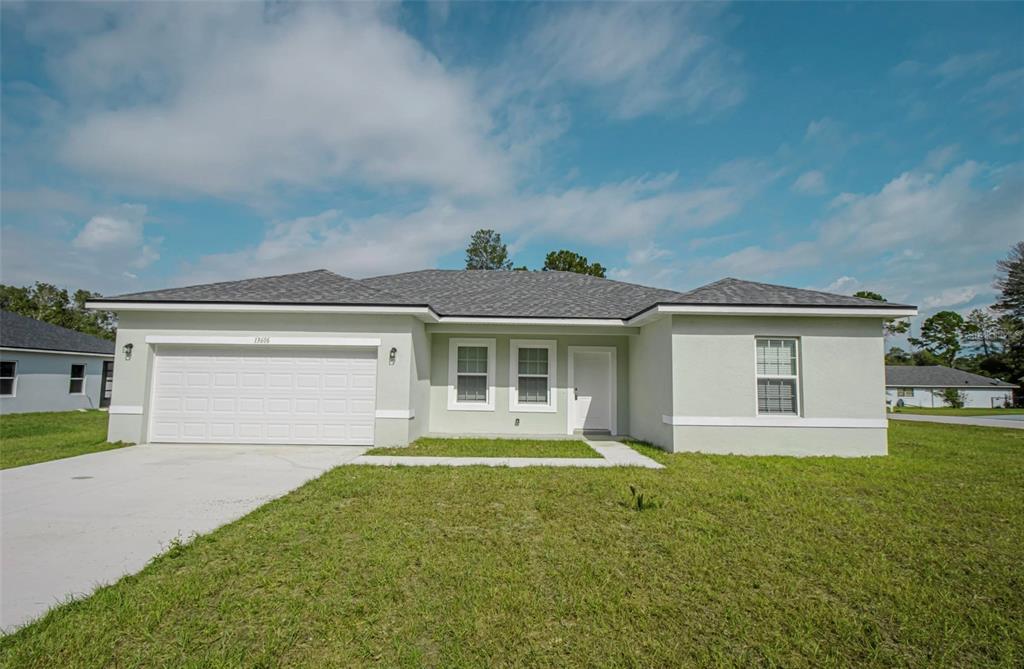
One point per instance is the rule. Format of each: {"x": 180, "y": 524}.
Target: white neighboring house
{"x": 45, "y": 367}
{"x": 318, "y": 358}
{"x": 922, "y": 386}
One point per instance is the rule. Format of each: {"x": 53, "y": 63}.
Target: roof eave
{"x": 662, "y": 309}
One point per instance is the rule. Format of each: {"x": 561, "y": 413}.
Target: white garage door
{"x": 264, "y": 396}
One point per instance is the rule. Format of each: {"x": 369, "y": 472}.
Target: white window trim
{"x": 14, "y": 379}
{"x": 85, "y": 375}
{"x": 783, "y": 377}
{"x": 513, "y": 375}
{"x": 453, "y": 364}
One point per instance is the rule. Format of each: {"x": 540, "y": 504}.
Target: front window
{"x": 471, "y": 374}
{"x": 532, "y": 365}
{"x": 777, "y": 376}
{"x": 77, "y": 385}
{"x": 904, "y": 392}
{"x": 8, "y": 377}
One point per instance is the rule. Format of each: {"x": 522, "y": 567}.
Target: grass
{"x": 492, "y": 448}
{"x": 909, "y": 560}
{"x": 949, "y": 411}
{"x": 28, "y": 438}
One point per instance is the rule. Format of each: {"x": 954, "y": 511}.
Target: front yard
{"x": 910, "y": 560}
{"x": 492, "y": 448}
{"x": 28, "y": 438}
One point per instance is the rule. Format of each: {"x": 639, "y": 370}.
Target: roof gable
{"x": 731, "y": 291}
{"x": 18, "y": 331}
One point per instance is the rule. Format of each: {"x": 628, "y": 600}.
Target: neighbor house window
{"x": 777, "y": 376}
{"x": 77, "y": 385}
{"x": 8, "y": 377}
{"x": 471, "y": 374}
{"x": 904, "y": 392}
{"x": 532, "y": 364}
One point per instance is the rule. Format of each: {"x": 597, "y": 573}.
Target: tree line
{"x": 987, "y": 341}
{"x": 487, "y": 251}
{"x": 48, "y": 303}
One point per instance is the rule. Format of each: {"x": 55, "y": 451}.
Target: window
{"x": 471, "y": 374}
{"x": 777, "y": 377}
{"x": 904, "y": 392}
{"x": 8, "y": 377}
{"x": 532, "y": 365}
{"x": 77, "y": 385}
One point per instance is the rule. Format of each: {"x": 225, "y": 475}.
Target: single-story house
{"x": 318, "y": 358}
{"x": 913, "y": 386}
{"x": 45, "y": 367}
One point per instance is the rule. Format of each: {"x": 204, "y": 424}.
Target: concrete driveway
{"x": 73, "y": 524}
{"x": 1006, "y": 420}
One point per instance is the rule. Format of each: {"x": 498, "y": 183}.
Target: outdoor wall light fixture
{"x": 128, "y": 351}
{"x": 392, "y": 355}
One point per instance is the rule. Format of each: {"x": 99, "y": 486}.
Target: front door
{"x": 592, "y": 379}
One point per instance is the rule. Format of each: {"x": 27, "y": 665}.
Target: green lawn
{"x": 28, "y": 438}
{"x": 948, "y": 411}
{"x": 916, "y": 559}
{"x": 492, "y": 448}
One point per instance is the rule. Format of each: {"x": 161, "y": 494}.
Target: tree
{"x": 981, "y": 330}
{"x": 46, "y": 302}
{"x": 897, "y": 356}
{"x": 892, "y": 326}
{"x": 940, "y": 335}
{"x": 570, "y": 261}
{"x": 487, "y": 251}
{"x": 954, "y": 397}
{"x": 1010, "y": 282}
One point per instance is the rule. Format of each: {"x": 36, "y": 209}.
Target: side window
{"x": 77, "y": 385}
{"x": 778, "y": 376}
{"x": 8, "y": 377}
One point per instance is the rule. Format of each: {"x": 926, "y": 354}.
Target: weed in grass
{"x": 640, "y": 501}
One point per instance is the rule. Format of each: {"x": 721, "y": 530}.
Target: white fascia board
{"x": 43, "y": 350}
{"x": 727, "y": 310}
{"x": 261, "y": 340}
{"x": 894, "y": 386}
{"x": 424, "y": 312}
{"x": 488, "y": 320}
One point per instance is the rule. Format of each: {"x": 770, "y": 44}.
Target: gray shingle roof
{"x": 937, "y": 376}
{"x": 22, "y": 332}
{"x": 495, "y": 293}
{"x": 318, "y": 286}
{"x": 521, "y": 294}
{"x": 738, "y": 292}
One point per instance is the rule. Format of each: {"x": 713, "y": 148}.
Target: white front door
{"x": 264, "y": 395}
{"x": 592, "y": 389}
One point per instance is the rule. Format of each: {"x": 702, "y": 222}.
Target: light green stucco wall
{"x": 650, "y": 381}
{"x": 132, "y": 377}
{"x": 501, "y": 421}
{"x": 842, "y": 376}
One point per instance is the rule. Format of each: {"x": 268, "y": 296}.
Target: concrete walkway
{"x": 982, "y": 421}
{"x": 71, "y": 525}
{"x": 613, "y": 454}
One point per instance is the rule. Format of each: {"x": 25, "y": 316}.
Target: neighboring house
{"x": 912, "y": 386}
{"x": 317, "y": 358}
{"x": 45, "y": 367}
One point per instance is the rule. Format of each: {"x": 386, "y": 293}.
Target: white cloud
{"x": 637, "y": 58}
{"x": 225, "y": 100}
{"x": 624, "y": 213}
{"x": 810, "y": 183}
{"x": 98, "y": 258}
{"x": 846, "y": 285}
{"x": 951, "y": 297}
{"x": 938, "y": 159}
{"x": 961, "y": 65}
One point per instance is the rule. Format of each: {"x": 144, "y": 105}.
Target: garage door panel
{"x": 279, "y": 396}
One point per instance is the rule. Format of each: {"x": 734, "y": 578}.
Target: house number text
{"x": 261, "y": 340}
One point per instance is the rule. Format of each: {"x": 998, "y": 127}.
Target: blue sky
{"x": 833, "y": 146}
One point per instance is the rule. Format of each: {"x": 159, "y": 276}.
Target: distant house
{"x": 45, "y": 367}
{"x": 923, "y": 386}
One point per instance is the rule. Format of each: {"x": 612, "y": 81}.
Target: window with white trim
{"x": 778, "y": 376}
{"x": 471, "y": 374}
{"x": 8, "y": 377}
{"x": 77, "y": 385}
{"x": 904, "y": 392}
{"x": 532, "y": 365}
